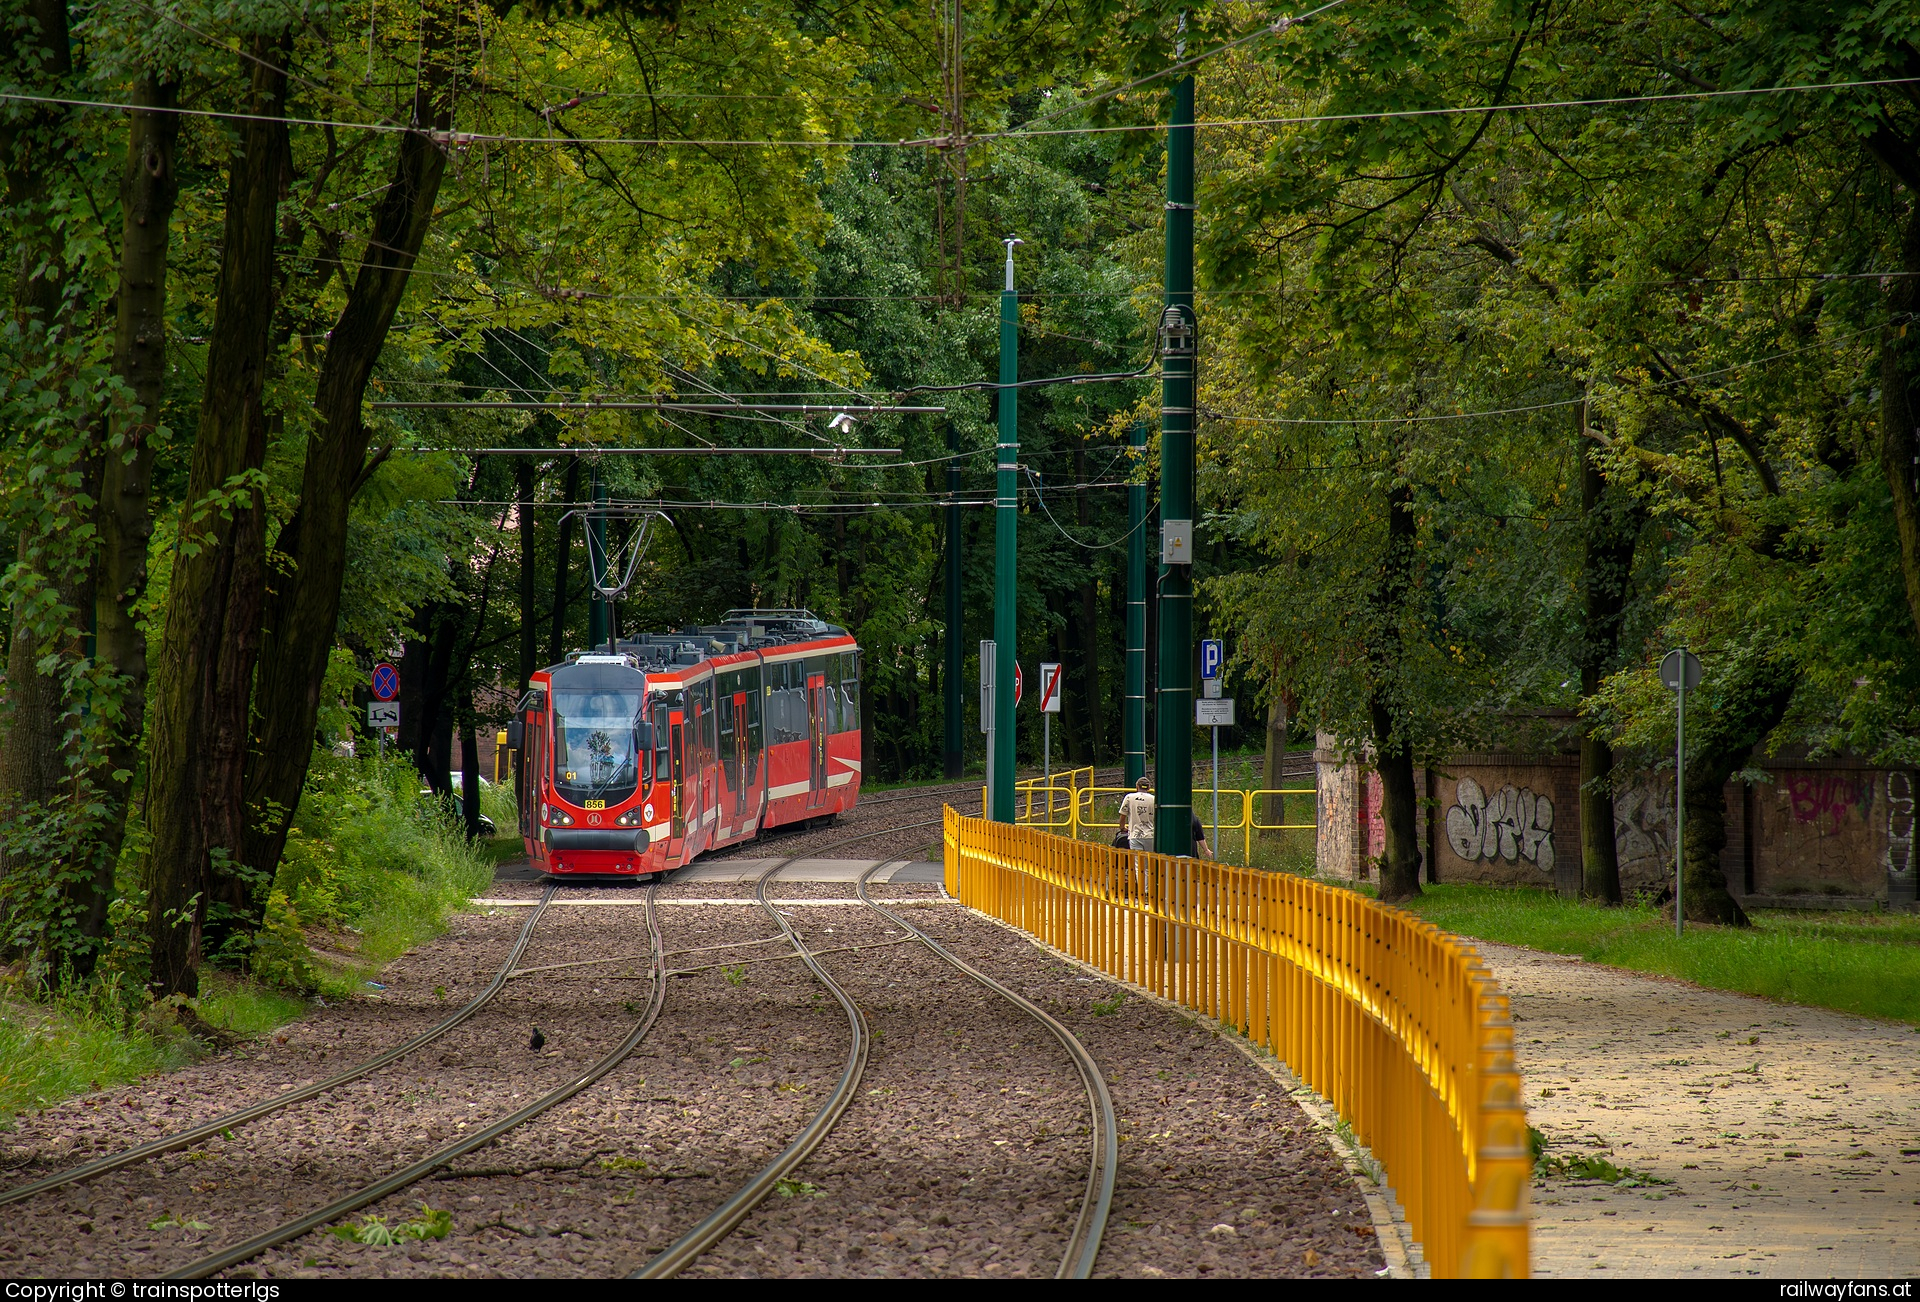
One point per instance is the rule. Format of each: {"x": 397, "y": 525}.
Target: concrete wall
{"x": 1812, "y": 831}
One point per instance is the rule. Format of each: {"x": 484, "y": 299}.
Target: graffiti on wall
{"x": 1643, "y": 827}
{"x": 1511, "y": 823}
{"x": 1828, "y": 797}
{"x": 1899, "y": 823}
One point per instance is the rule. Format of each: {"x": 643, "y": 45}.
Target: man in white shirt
{"x": 1137, "y": 811}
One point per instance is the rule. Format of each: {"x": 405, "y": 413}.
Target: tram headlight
{"x": 632, "y": 818}
{"x": 555, "y": 817}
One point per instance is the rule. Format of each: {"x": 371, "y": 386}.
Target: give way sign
{"x": 1049, "y": 689}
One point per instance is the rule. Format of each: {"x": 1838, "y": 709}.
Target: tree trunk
{"x": 415, "y": 652}
{"x": 1612, "y": 526}
{"x": 32, "y": 753}
{"x": 124, "y": 516}
{"x": 424, "y": 678}
{"x": 1399, "y": 809}
{"x": 469, "y": 766}
{"x": 1899, "y": 372}
{"x": 1747, "y": 705}
{"x": 1393, "y": 748}
{"x": 304, "y": 608}
{"x": 212, "y": 617}
{"x": 1274, "y": 774}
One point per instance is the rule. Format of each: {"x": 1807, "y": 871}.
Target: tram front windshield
{"x": 598, "y": 740}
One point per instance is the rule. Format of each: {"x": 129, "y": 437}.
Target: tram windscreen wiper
{"x": 596, "y": 744}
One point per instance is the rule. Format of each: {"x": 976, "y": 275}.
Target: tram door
{"x": 699, "y": 774}
{"x": 817, "y": 735}
{"x": 742, "y": 774}
{"x": 526, "y": 772}
{"x": 677, "y": 748}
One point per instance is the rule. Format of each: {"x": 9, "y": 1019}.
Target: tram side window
{"x": 849, "y": 664}
{"x": 787, "y": 702}
{"x": 708, "y": 718}
{"x": 664, "y": 704}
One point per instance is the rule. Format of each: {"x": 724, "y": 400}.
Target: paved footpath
{"x": 1791, "y": 1135}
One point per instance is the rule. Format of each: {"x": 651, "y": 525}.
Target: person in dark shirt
{"x": 1201, "y": 849}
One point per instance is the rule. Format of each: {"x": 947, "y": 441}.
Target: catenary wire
{"x": 462, "y": 138}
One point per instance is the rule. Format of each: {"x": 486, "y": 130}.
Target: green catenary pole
{"x": 1133, "y": 722}
{"x": 1173, "y": 710}
{"x": 1006, "y": 519}
{"x": 955, "y": 735}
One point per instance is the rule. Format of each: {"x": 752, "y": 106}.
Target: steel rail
{"x": 254, "y": 1111}
{"x": 1083, "y": 1245}
{"x": 239, "y": 1252}
{"x": 724, "y": 1219}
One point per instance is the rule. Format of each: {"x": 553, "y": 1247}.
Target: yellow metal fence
{"x": 1070, "y": 805}
{"x": 1398, "y": 1024}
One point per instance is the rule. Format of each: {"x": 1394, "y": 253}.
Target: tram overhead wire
{"x": 463, "y": 139}
{"x": 667, "y": 504}
{"x": 592, "y": 450}
{"x": 696, "y": 408}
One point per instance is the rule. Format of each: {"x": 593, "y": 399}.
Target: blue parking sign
{"x": 1210, "y": 657}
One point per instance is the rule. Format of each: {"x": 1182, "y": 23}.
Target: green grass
{"x": 500, "y": 849}
{"x": 72, "y": 1044}
{"x": 371, "y": 871}
{"x": 1866, "y": 963}
{"x": 50, "y": 1051}
{"x": 245, "y": 1007}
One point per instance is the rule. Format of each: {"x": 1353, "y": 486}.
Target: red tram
{"x": 636, "y": 759}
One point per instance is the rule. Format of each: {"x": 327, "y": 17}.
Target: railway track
{"x": 286, "y": 1099}
{"x": 1083, "y": 1244}
{"x": 234, "y": 1254}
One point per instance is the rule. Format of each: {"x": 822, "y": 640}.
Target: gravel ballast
{"x": 965, "y": 1152}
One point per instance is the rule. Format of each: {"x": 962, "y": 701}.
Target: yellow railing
{"x": 1040, "y": 802}
{"x": 1398, "y": 1024}
{"x": 1072, "y": 806}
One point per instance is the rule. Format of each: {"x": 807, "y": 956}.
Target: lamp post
{"x": 1680, "y": 672}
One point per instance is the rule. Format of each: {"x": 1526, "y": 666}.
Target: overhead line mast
{"x": 1006, "y": 540}
{"x": 1173, "y": 711}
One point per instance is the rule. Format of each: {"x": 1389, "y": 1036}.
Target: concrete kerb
{"x": 1404, "y": 1260}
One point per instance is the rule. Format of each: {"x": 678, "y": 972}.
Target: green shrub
{"x": 367, "y": 854}
{"x": 497, "y": 803}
